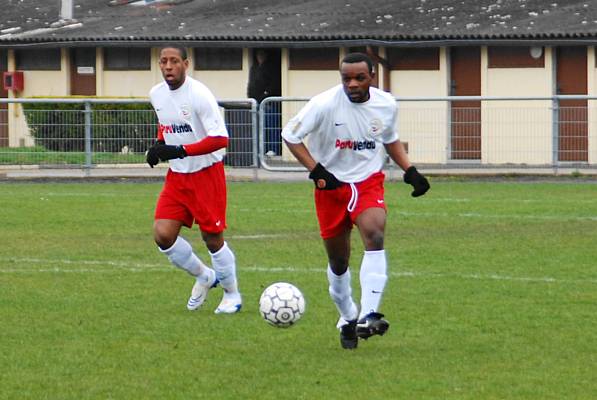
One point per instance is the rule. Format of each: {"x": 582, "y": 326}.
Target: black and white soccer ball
{"x": 282, "y": 304}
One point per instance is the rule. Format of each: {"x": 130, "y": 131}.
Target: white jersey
{"x": 188, "y": 115}
{"x": 346, "y": 138}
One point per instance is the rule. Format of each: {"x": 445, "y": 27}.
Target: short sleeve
{"x": 390, "y": 134}
{"x": 303, "y": 123}
{"x": 208, "y": 112}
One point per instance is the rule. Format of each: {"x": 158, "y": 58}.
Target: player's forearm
{"x": 398, "y": 154}
{"x": 300, "y": 152}
{"x": 206, "y": 145}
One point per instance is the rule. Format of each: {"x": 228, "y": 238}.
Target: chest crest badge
{"x": 185, "y": 111}
{"x": 375, "y": 126}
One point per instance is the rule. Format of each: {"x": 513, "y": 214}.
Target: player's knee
{"x": 374, "y": 241}
{"x": 163, "y": 238}
{"x": 213, "y": 241}
{"x": 338, "y": 265}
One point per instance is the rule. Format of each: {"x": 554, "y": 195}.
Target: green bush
{"x": 114, "y": 127}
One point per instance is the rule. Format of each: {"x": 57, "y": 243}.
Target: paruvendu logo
{"x": 355, "y": 144}
{"x": 176, "y": 128}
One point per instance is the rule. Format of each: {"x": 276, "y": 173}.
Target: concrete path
{"x": 140, "y": 171}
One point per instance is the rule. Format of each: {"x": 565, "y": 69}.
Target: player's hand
{"x": 323, "y": 178}
{"x": 152, "y": 157}
{"x": 167, "y": 152}
{"x": 418, "y": 181}
{"x": 164, "y": 152}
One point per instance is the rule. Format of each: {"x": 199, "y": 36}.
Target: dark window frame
{"x": 413, "y": 58}
{"x": 137, "y": 58}
{"x": 49, "y": 59}
{"x": 513, "y": 57}
{"x": 217, "y": 59}
{"x": 314, "y": 59}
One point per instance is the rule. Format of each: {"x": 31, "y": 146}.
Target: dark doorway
{"x": 82, "y": 73}
{"x": 3, "y": 106}
{"x": 465, "y": 135}
{"x": 573, "y": 132}
{"x": 265, "y": 81}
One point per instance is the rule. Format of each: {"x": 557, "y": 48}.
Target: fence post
{"x": 255, "y": 133}
{"x": 87, "y": 113}
{"x": 555, "y": 134}
{"x": 261, "y": 133}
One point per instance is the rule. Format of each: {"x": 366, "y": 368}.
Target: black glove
{"x": 164, "y": 152}
{"x": 418, "y": 181}
{"x": 323, "y": 178}
{"x": 151, "y": 156}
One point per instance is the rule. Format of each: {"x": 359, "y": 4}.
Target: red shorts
{"x": 195, "y": 197}
{"x": 333, "y": 206}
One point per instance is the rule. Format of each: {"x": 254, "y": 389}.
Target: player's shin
{"x": 373, "y": 278}
{"x": 224, "y": 263}
{"x": 181, "y": 255}
{"x": 341, "y": 293}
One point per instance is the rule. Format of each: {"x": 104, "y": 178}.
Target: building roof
{"x": 298, "y": 22}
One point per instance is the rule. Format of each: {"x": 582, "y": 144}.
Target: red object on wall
{"x": 13, "y": 80}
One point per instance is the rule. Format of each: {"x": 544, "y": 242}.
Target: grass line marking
{"x": 115, "y": 266}
{"x": 504, "y": 216}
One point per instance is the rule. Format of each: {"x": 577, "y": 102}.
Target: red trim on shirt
{"x": 161, "y": 132}
{"x": 206, "y": 145}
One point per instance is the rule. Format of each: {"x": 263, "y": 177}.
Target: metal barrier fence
{"x": 83, "y": 133}
{"x": 439, "y": 133}
{"x": 464, "y": 132}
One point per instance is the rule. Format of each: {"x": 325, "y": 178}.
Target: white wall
{"x": 422, "y": 125}
{"x": 127, "y": 83}
{"x": 224, "y": 84}
{"x": 36, "y": 84}
{"x": 516, "y": 131}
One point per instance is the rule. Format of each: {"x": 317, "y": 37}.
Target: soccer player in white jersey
{"x": 351, "y": 127}
{"x": 192, "y": 136}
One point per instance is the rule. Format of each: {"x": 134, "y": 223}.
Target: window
{"x": 358, "y": 49}
{"x": 3, "y": 60}
{"x": 314, "y": 59}
{"x": 413, "y": 58}
{"x": 38, "y": 59}
{"x": 515, "y": 57}
{"x": 83, "y": 56}
{"x": 133, "y": 58}
{"x": 218, "y": 59}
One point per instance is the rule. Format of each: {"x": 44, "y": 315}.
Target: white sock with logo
{"x": 224, "y": 264}
{"x": 373, "y": 280}
{"x": 341, "y": 292}
{"x": 181, "y": 255}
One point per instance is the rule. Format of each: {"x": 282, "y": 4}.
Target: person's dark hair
{"x": 352, "y": 58}
{"x": 182, "y": 50}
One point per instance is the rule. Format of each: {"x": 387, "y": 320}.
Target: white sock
{"x": 181, "y": 255}
{"x": 341, "y": 292}
{"x": 373, "y": 280}
{"x": 224, "y": 263}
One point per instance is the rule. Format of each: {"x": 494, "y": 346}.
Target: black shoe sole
{"x": 349, "y": 343}
{"x": 377, "y": 327}
{"x": 348, "y": 336}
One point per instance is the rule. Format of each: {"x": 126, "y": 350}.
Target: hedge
{"x": 115, "y": 127}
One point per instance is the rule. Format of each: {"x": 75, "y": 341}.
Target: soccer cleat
{"x": 231, "y": 303}
{"x": 348, "y": 334}
{"x": 200, "y": 290}
{"x": 372, "y": 324}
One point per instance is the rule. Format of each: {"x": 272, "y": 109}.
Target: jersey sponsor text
{"x": 355, "y": 144}
{"x": 176, "y": 128}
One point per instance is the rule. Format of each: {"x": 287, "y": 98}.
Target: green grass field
{"x": 492, "y": 295}
{"x": 39, "y": 155}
